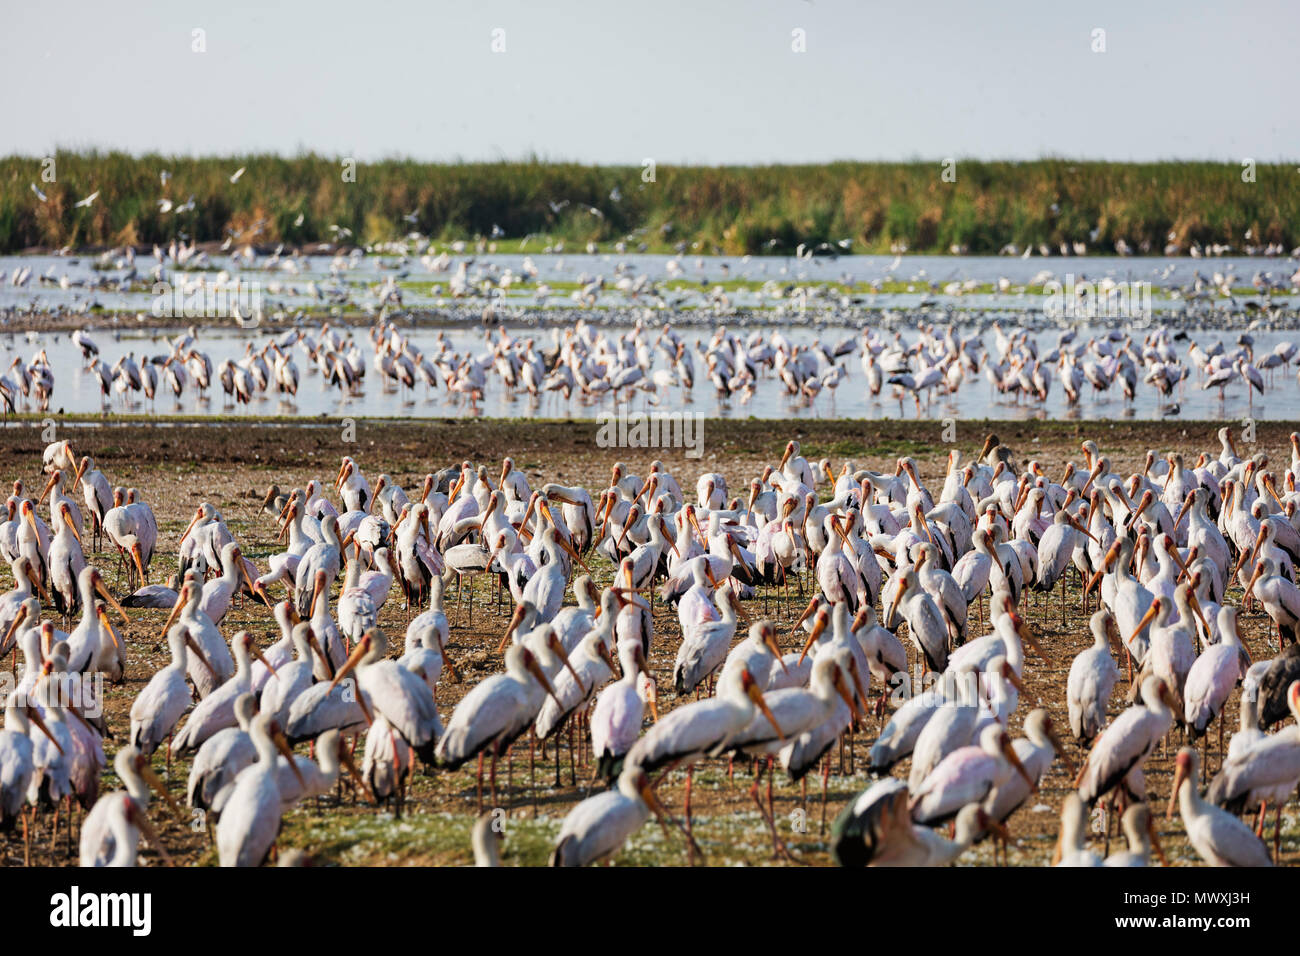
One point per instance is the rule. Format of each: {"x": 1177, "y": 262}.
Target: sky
{"x": 676, "y": 81}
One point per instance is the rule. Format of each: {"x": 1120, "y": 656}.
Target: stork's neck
{"x": 264, "y": 745}
{"x": 134, "y": 784}
{"x": 297, "y": 536}
{"x": 1190, "y": 803}
{"x": 86, "y": 585}
{"x": 242, "y": 657}
{"x": 16, "y": 720}
{"x": 1100, "y": 641}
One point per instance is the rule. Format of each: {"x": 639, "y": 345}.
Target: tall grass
{"x": 755, "y": 209}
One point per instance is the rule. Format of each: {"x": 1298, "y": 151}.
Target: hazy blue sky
{"x": 710, "y": 81}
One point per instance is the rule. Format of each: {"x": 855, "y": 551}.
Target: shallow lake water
{"x": 852, "y": 291}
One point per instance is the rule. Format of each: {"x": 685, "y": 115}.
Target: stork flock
{"x": 589, "y": 364}
{"x": 913, "y": 634}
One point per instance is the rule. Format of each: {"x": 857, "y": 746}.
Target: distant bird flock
{"x": 662, "y": 366}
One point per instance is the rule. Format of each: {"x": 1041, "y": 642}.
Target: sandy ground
{"x": 178, "y": 466}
